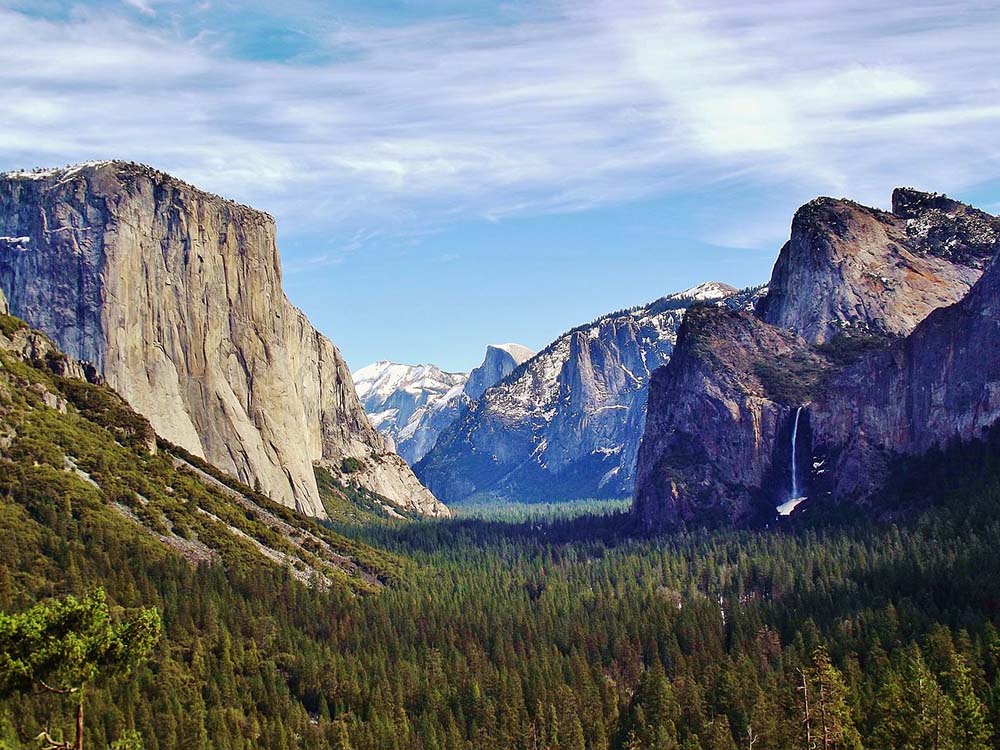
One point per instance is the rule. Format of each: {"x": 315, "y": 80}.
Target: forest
{"x": 553, "y": 627}
{"x": 551, "y": 633}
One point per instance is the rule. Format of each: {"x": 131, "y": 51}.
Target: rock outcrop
{"x": 849, "y": 269}
{"x": 840, "y": 334}
{"x": 175, "y": 295}
{"x": 940, "y": 384}
{"x": 566, "y": 423}
{"x": 717, "y": 415}
{"x": 500, "y": 361}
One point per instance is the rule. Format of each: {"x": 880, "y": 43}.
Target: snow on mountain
{"x": 405, "y": 402}
{"x": 411, "y": 404}
{"x": 566, "y": 423}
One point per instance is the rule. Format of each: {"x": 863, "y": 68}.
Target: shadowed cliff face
{"x": 941, "y": 383}
{"x": 176, "y": 296}
{"x": 717, "y": 415}
{"x": 840, "y": 332}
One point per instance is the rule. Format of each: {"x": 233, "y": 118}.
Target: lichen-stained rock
{"x": 852, "y": 269}
{"x": 175, "y": 295}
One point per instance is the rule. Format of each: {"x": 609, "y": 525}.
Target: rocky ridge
{"x": 566, "y": 423}
{"x": 848, "y": 333}
{"x": 175, "y": 296}
{"x": 412, "y": 404}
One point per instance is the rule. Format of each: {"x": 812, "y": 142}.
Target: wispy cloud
{"x": 575, "y": 105}
{"x": 144, "y": 6}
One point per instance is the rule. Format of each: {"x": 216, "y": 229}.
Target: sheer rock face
{"x": 500, "y": 361}
{"x": 565, "y": 424}
{"x": 718, "y": 417}
{"x": 176, "y": 297}
{"x": 840, "y": 334}
{"x": 852, "y": 269}
{"x": 941, "y": 383}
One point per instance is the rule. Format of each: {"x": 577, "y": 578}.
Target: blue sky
{"x": 450, "y": 174}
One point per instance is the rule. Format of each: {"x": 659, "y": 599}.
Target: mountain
{"x": 868, "y": 346}
{"x": 411, "y": 404}
{"x": 566, "y": 423}
{"x": 175, "y": 296}
{"x": 71, "y": 448}
{"x": 852, "y": 269}
{"x": 500, "y": 361}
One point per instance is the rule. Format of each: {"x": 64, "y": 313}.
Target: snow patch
{"x": 786, "y": 508}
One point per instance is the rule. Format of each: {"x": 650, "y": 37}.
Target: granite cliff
{"x": 848, "y": 333}
{"x": 566, "y": 423}
{"x": 175, "y": 296}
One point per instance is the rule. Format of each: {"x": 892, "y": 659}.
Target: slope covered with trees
{"x": 566, "y": 634}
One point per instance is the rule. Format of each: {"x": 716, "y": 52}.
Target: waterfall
{"x": 786, "y": 508}
{"x": 795, "y": 467}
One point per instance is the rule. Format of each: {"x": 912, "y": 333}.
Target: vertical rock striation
{"x": 175, "y": 295}
{"x": 840, "y": 331}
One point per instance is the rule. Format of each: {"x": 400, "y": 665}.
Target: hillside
{"x": 175, "y": 295}
{"x": 72, "y": 451}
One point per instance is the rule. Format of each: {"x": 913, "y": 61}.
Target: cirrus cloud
{"x": 399, "y": 126}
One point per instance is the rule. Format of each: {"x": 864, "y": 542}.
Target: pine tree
{"x": 914, "y": 713}
{"x": 833, "y": 726}
{"x": 970, "y": 728}
{"x": 61, "y": 646}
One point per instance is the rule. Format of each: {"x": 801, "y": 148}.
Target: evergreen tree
{"x": 63, "y": 645}
{"x": 971, "y": 731}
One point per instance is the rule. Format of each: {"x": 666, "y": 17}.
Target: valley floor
{"x": 556, "y": 633}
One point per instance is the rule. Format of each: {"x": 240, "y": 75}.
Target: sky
{"x": 449, "y": 174}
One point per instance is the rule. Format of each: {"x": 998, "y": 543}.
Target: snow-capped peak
{"x": 709, "y": 290}
{"x": 41, "y": 174}
{"x": 518, "y": 352}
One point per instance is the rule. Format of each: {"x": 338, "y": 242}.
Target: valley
{"x": 667, "y": 527}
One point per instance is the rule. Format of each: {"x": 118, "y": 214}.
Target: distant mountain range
{"x": 566, "y": 423}
{"x": 411, "y": 404}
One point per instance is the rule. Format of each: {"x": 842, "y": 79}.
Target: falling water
{"x": 795, "y": 467}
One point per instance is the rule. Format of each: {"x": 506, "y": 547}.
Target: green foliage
{"x": 131, "y": 740}
{"x": 351, "y": 465}
{"x": 845, "y": 349}
{"x": 9, "y": 325}
{"x": 792, "y": 379}
{"x": 345, "y": 503}
{"x": 504, "y": 632}
{"x": 64, "y": 644}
